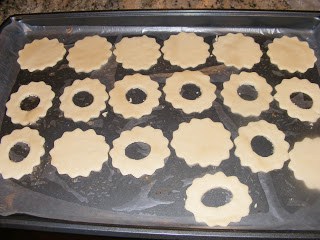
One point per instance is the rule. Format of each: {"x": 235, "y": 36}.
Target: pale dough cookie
{"x": 185, "y": 50}
{"x": 31, "y": 137}
{"x": 305, "y": 161}
{"x": 178, "y": 80}
{"x": 137, "y": 53}
{"x": 243, "y": 107}
{"x": 291, "y": 54}
{"x": 76, "y": 113}
{"x": 159, "y": 151}
{"x": 296, "y": 85}
{"x": 237, "y": 50}
{"x": 77, "y": 153}
{"x": 34, "y": 89}
{"x": 233, "y": 211}
{"x": 89, "y": 54}
{"x": 40, "y": 54}
{"x": 127, "y": 109}
{"x": 202, "y": 141}
{"x": 251, "y": 159}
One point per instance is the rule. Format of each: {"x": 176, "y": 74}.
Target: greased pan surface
{"x": 280, "y": 202}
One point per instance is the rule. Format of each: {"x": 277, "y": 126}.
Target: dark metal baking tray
{"x": 107, "y": 203}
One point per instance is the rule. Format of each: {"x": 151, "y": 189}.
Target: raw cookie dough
{"x": 291, "y": 54}
{"x": 241, "y": 106}
{"x": 178, "y": 80}
{"x": 202, "y": 141}
{"x": 127, "y": 109}
{"x": 251, "y": 159}
{"x": 305, "y": 161}
{"x": 147, "y": 165}
{"x": 237, "y": 50}
{"x": 233, "y": 211}
{"x": 31, "y": 137}
{"x": 76, "y": 113}
{"x": 79, "y": 152}
{"x": 89, "y": 54}
{"x": 34, "y": 89}
{"x": 41, "y": 53}
{"x": 137, "y": 53}
{"x": 185, "y": 50}
{"x": 296, "y": 85}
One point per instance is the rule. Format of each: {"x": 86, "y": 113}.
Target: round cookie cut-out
{"x": 137, "y": 53}
{"x": 178, "y": 80}
{"x": 259, "y": 163}
{"x": 291, "y": 54}
{"x": 185, "y": 50}
{"x": 78, "y": 153}
{"x": 147, "y": 165}
{"x": 17, "y": 169}
{"x": 128, "y": 108}
{"x": 40, "y": 54}
{"x": 202, "y": 141}
{"x": 89, "y": 54}
{"x": 237, "y": 50}
{"x": 237, "y": 104}
{"x": 40, "y": 96}
{"x": 295, "y": 85}
{"x": 233, "y": 211}
{"x": 90, "y": 110}
{"x": 305, "y": 161}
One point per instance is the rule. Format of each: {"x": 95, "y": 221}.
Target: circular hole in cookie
{"x": 262, "y": 146}
{"x": 82, "y": 99}
{"x": 138, "y": 150}
{"x": 247, "y": 92}
{"x": 301, "y": 100}
{"x": 19, "y": 152}
{"x": 136, "y": 96}
{"x": 216, "y": 197}
{"x": 29, "y": 103}
{"x": 190, "y": 91}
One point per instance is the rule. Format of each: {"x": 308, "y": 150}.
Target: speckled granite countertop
{"x": 10, "y": 7}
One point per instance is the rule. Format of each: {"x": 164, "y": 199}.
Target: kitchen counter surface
{"x": 11, "y": 7}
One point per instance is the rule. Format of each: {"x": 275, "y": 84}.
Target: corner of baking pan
{"x": 6, "y": 22}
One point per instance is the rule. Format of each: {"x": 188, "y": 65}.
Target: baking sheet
{"x": 280, "y": 202}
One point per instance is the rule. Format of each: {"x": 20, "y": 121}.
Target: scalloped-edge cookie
{"x": 40, "y": 54}
{"x": 185, "y": 50}
{"x": 251, "y": 159}
{"x": 175, "y": 83}
{"x": 296, "y": 85}
{"x": 305, "y": 161}
{"x": 78, "y": 153}
{"x": 291, "y": 54}
{"x": 31, "y": 137}
{"x": 233, "y": 211}
{"x": 241, "y": 106}
{"x": 84, "y": 114}
{"x": 33, "y": 89}
{"x": 89, "y": 54}
{"x": 127, "y": 109}
{"x": 137, "y": 53}
{"x": 159, "y": 151}
{"x": 202, "y": 141}
{"x": 237, "y": 50}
